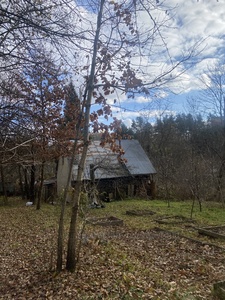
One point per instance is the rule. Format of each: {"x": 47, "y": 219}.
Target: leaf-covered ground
{"x": 115, "y": 263}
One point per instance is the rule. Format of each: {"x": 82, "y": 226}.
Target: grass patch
{"x": 211, "y": 214}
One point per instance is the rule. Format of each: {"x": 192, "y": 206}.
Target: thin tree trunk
{"x": 5, "y": 199}
{"x": 219, "y": 194}
{"x": 200, "y": 204}
{"x": 21, "y": 183}
{"x": 64, "y": 199}
{"x": 72, "y": 243}
{"x": 32, "y": 183}
{"x": 71, "y": 249}
{"x": 192, "y": 207}
{"x": 26, "y": 186}
{"x": 63, "y": 205}
{"x": 40, "y": 186}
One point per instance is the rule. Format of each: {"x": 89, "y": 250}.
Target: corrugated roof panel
{"x": 137, "y": 163}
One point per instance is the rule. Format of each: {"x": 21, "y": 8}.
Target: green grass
{"x": 211, "y": 214}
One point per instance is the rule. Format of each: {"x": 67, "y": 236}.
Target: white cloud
{"x": 190, "y": 22}
{"x": 128, "y": 122}
{"x": 142, "y": 99}
{"x": 200, "y": 20}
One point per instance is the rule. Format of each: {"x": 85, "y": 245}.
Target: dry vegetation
{"x": 115, "y": 262}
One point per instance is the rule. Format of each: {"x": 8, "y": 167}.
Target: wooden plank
{"x": 189, "y": 238}
{"x": 211, "y": 233}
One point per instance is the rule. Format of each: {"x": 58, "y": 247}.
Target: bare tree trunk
{"x": 64, "y": 199}
{"x": 219, "y": 194}
{"x": 40, "y": 186}
{"x": 192, "y": 207}
{"x": 71, "y": 249}
{"x": 63, "y": 205}
{"x": 5, "y": 199}
{"x": 21, "y": 183}
{"x": 32, "y": 183}
{"x": 72, "y": 243}
{"x": 26, "y": 186}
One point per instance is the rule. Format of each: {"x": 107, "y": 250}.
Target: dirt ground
{"x": 114, "y": 263}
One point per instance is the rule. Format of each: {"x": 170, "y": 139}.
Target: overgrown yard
{"x": 143, "y": 259}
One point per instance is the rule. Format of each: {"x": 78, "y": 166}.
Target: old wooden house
{"x": 113, "y": 178}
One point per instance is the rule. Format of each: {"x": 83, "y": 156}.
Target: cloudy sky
{"x": 193, "y": 22}
{"x": 202, "y": 20}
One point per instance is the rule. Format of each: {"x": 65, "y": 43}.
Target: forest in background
{"x": 186, "y": 151}
{"x": 188, "y": 154}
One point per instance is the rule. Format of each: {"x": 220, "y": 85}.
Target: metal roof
{"x": 138, "y": 162}
{"x": 108, "y": 166}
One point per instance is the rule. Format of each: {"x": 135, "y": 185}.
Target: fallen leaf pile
{"x": 114, "y": 263}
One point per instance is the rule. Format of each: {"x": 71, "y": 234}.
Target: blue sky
{"x": 191, "y": 22}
